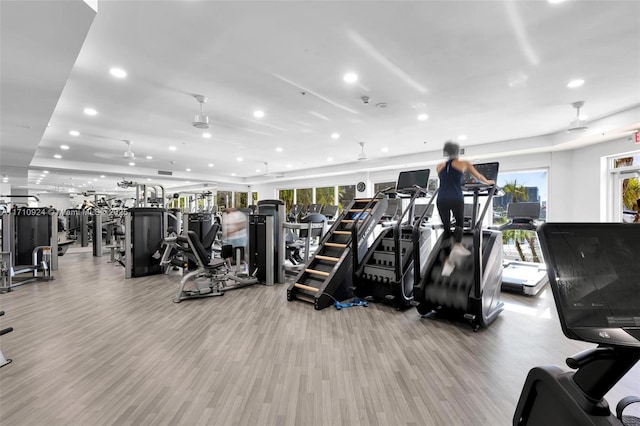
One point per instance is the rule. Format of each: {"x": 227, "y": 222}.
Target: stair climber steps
{"x": 340, "y": 239}
{"x": 337, "y": 245}
{"x": 330, "y": 251}
{"x": 379, "y": 274}
{"x": 307, "y": 288}
{"x": 327, "y": 258}
{"x": 316, "y": 272}
{"x": 383, "y": 259}
{"x": 323, "y": 278}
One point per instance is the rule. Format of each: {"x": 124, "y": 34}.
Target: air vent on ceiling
{"x": 165, "y": 173}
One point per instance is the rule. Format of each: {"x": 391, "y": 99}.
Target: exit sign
{"x": 637, "y": 137}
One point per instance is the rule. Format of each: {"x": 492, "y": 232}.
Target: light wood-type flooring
{"x": 92, "y": 348}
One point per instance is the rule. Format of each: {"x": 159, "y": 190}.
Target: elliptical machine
{"x": 593, "y": 271}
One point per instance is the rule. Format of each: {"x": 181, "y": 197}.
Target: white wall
{"x": 59, "y": 201}
{"x": 582, "y": 195}
{"x": 575, "y": 176}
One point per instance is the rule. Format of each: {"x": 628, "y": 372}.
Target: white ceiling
{"x": 492, "y": 70}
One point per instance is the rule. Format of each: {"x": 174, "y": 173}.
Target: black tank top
{"x": 450, "y": 183}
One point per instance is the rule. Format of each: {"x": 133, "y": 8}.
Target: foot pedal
{"x": 470, "y": 317}
{"x": 389, "y": 296}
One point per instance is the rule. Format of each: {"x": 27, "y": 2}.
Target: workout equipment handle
{"x": 6, "y": 330}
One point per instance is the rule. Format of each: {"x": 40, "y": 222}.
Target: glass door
{"x": 629, "y": 197}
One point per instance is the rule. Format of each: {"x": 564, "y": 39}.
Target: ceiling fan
{"x": 127, "y": 155}
{"x": 577, "y": 125}
{"x": 362, "y": 156}
{"x": 201, "y": 121}
{"x": 267, "y": 173}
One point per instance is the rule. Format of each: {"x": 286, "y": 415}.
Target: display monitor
{"x": 595, "y": 278}
{"x": 488, "y": 170}
{"x": 408, "y": 180}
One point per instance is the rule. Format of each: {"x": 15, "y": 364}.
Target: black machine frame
{"x": 482, "y": 305}
{"x": 551, "y": 395}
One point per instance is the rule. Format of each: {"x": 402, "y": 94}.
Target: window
{"x": 286, "y": 195}
{"x": 382, "y": 185}
{"x": 240, "y": 200}
{"x": 223, "y": 199}
{"x": 304, "y": 196}
{"x": 346, "y": 194}
{"x": 623, "y": 192}
{"x": 326, "y": 196}
{"x": 529, "y": 186}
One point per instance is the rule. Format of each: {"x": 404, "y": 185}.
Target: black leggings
{"x": 445, "y": 208}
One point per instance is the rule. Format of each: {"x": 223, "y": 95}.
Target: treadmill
{"x": 594, "y": 274}
{"x": 519, "y": 276}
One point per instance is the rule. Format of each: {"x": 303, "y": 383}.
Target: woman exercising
{"x": 451, "y": 200}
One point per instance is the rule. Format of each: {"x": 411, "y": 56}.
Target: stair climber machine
{"x": 398, "y": 257}
{"x": 522, "y": 276}
{"x": 327, "y": 276}
{"x": 593, "y": 273}
{"x": 471, "y": 292}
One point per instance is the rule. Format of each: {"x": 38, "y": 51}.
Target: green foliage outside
{"x": 325, "y": 196}
{"x": 346, "y": 194}
{"x": 241, "y": 199}
{"x": 304, "y": 196}
{"x": 286, "y": 195}
{"x": 519, "y": 237}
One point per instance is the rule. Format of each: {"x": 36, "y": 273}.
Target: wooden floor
{"x": 92, "y": 348}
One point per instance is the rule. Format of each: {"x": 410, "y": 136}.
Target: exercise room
{"x": 319, "y": 212}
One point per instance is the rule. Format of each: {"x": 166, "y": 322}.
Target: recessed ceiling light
{"x": 90, "y": 111}
{"x": 555, "y": 1}
{"x": 45, "y": 171}
{"x": 575, "y": 83}
{"x": 172, "y": 148}
{"x": 385, "y": 149}
{"x": 583, "y": 117}
{"x": 132, "y": 164}
{"x": 257, "y": 170}
{"x": 422, "y": 117}
{"x": 462, "y": 137}
{"x": 38, "y": 183}
{"x": 188, "y": 170}
{"x": 148, "y": 179}
{"x": 42, "y": 175}
{"x": 148, "y": 157}
{"x": 335, "y": 135}
{"x": 118, "y": 72}
{"x": 74, "y": 133}
{"x": 350, "y": 77}
{"x": 279, "y": 149}
{"x": 65, "y": 147}
{"x": 58, "y": 156}
{"x": 258, "y": 114}
{"x": 233, "y": 174}
{"x": 187, "y": 181}
{"x": 95, "y": 180}
{"x": 210, "y": 164}
{"x": 206, "y": 135}
{"x": 239, "y": 159}
{"x": 330, "y": 159}
{"x": 102, "y": 176}
{"x": 289, "y": 166}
